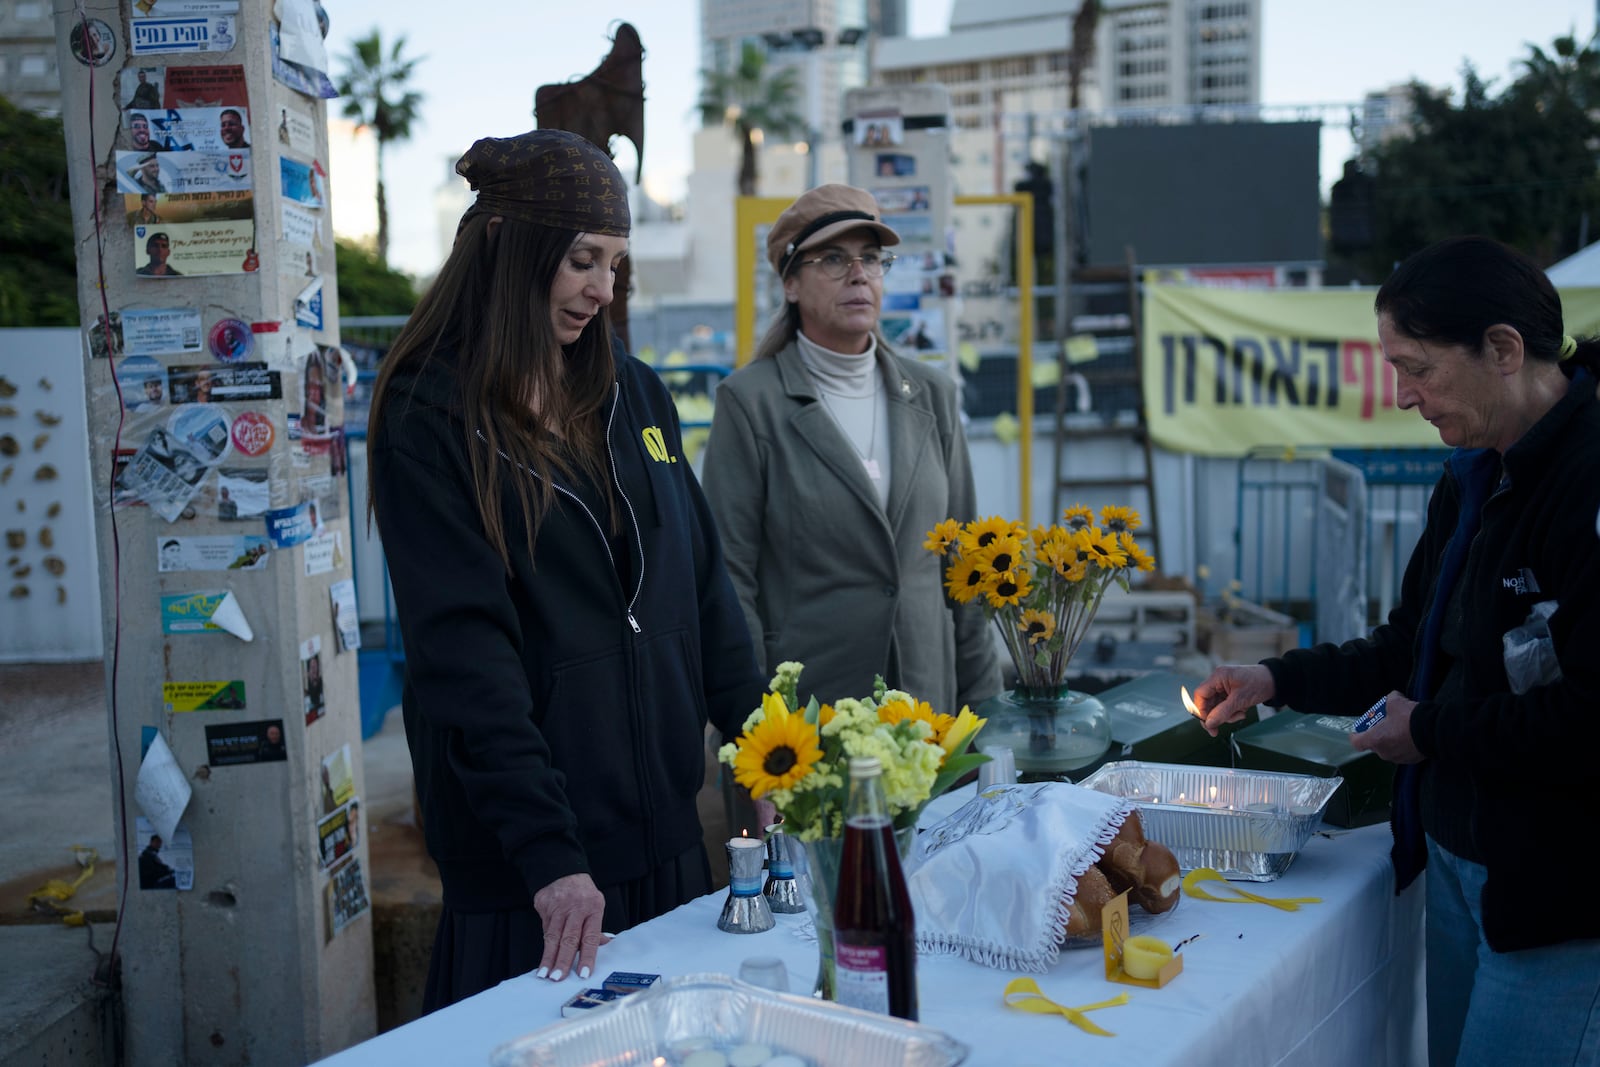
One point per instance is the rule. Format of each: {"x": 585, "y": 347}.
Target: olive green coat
{"x": 826, "y": 575}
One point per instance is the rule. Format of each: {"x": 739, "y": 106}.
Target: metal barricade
{"x": 1399, "y": 483}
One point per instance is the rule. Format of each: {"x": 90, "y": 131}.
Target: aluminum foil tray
{"x": 661, "y": 1022}
{"x": 1246, "y": 825}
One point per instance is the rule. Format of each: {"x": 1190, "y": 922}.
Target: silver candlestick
{"x": 745, "y": 911}
{"x": 782, "y": 894}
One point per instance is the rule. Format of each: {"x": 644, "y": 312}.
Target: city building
{"x": 28, "y": 74}
{"x": 1385, "y": 115}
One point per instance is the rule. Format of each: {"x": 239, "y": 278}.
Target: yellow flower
{"x": 1008, "y": 589}
{"x": 1078, "y": 517}
{"x": 978, "y": 534}
{"x": 1003, "y": 554}
{"x": 961, "y": 730}
{"x": 964, "y": 580}
{"x": 824, "y": 715}
{"x": 942, "y": 536}
{"x": 1137, "y": 557}
{"x": 1037, "y": 625}
{"x": 776, "y": 752}
{"x": 1119, "y": 520}
{"x": 894, "y": 711}
{"x": 1103, "y": 548}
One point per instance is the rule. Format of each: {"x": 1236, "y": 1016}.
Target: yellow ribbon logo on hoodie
{"x": 656, "y": 445}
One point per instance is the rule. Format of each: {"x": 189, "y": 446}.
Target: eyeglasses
{"x": 836, "y": 265}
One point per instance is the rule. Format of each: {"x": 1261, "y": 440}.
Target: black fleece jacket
{"x": 1530, "y": 757}
{"x": 555, "y": 716}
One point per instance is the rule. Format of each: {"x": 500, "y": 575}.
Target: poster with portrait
{"x": 312, "y": 698}
{"x": 143, "y": 383}
{"x": 204, "y": 129}
{"x": 164, "y": 864}
{"x": 167, "y": 470}
{"x": 339, "y": 832}
{"x": 198, "y": 234}
{"x": 338, "y": 780}
{"x": 322, "y": 404}
{"x": 222, "y": 382}
{"x": 242, "y": 493}
{"x": 235, "y": 743}
{"x": 879, "y": 129}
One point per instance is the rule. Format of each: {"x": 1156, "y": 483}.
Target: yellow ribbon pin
{"x": 1191, "y": 888}
{"x": 1024, "y": 995}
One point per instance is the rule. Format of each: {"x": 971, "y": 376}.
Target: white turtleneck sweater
{"x": 852, "y": 392}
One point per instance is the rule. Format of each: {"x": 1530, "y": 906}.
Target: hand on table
{"x": 1391, "y": 738}
{"x": 1230, "y": 692}
{"x": 571, "y": 910}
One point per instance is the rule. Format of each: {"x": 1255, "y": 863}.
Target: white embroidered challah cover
{"x": 991, "y": 882}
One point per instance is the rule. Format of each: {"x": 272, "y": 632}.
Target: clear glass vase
{"x": 1052, "y": 730}
{"x": 816, "y": 871}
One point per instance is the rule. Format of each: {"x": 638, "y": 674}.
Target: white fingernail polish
{"x": 555, "y": 976}
{"x": 542, "y": 972}
{"x": 584, "y": 973}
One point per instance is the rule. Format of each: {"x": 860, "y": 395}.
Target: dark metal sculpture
{"x": 609, "y": 102}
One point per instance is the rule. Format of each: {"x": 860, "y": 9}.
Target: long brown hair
{"x": 489, "y": 311}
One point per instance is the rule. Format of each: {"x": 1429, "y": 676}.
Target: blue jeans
{"x": 1537, "y": 1007}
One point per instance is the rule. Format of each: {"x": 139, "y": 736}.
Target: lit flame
{"x": 1188, "y": 702}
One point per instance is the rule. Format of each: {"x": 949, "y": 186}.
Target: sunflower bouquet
{"x": 1042, "y": 589}
{"x": 798, "y": 756}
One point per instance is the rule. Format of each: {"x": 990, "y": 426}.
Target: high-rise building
{"x": 28, "y": 75}
{"x": 826, "y": 42}
{"x": 1011, "y": 56}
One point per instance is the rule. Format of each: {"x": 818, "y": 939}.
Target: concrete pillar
{"x": 232, "y": 482}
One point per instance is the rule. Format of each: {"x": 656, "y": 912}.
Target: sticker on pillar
{"x": 97, "y": 337}
{"x": 143, "y": 382}
{"x": 903, "y": 198}
{"x": 223, "y": 381}
{"x": 92, "y": 42}
{"x": 322, "y": 408}
{"x": 140, "y": 87}
{"x": 327, "y": 491}
{"x": 287, "y": 527}
{"x": 208, "y": 235}
{"x": 308, "y": 305}
{"x": 241, "y": 553}
{"x": 313, "y": 83}
{"x": 338, "y": 780}
{"x": 186, "y": 173}
{"x": 242, "y": 492}
{"x": 315, "y": 703}
{"x": 339, "y": 832}
{"x": 297, "y": 131}
{"x": 161, "y": 791}
{"x": 231, "y": 340}
{"x": 165, "y": 473}
{"x": 203, "y": 696}
{"x": 252, "y": 436}
{"x": 187, "y": 129}
{"x": 205, "y": 613}
{"x": 895, "y": 165}
{"x": 346, "y": 621}
{"x": 164, "y": 863}
{"x": 198, "y": 33}
{"x": 161, "y": 331}
{"x": 879, "y": 129}
{"x": 301, "y": 182}
{"x": 166, "y": 8}
{"x": 234, "y": 743}
{"x": 324, "y": 553}
{"x": 300, "y": 226}
{"x": 345, "y": 896}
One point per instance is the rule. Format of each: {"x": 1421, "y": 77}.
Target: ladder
{"x": 1105, "y": 304}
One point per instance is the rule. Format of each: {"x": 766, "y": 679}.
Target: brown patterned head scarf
{"x": 549, "y": 178}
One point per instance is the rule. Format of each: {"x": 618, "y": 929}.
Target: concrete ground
{"x": 55, "y": 806}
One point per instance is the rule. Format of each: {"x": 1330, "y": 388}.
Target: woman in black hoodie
{"x": 569, "y": 628}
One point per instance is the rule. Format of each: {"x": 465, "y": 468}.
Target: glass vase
{"x": 1052, "y": 730}
{"x": 816, "y": 871}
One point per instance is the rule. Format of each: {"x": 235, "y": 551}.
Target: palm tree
{"x": 749, "y": 99}
{"x": 373, "y": 86}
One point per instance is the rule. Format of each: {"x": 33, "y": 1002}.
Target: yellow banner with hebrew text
{"x": 1226, "y": 371}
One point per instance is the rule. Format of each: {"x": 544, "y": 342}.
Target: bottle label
{"x": 862, "y": 977}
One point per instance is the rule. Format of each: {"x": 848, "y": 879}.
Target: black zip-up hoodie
{"x": 555, "y": 716}
{"x": 1530, "y": 757}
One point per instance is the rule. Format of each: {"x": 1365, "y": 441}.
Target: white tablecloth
{"x": 1335, "y": 983}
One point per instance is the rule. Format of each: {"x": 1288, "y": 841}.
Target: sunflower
{"x": 942, "y": 536}
{"x": 978, "y": 534}
{"x": 824, "y": 715}
{"x": 964, "y": 579}
{"x": 776, "y": 752}
{"x": 1037, "y": 625}
{"x": 1008, "y": 589}
{"x": 1003, "y": 554}
{"x": 918, "y": 711}
{"x": 1137, "y": 557}
{"x": 1078, "y": 517}
{"x": 1104, "y": 549}
{"x": 1119, "y": 520}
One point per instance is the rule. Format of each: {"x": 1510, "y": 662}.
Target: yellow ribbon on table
{"x": 1191, "y": 888}
{"x": 1024, "y": 995}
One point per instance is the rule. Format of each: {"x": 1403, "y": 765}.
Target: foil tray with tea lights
{"x": 1246, "y": 825}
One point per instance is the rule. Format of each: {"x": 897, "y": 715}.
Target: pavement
{"x": 56, "y": 830}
